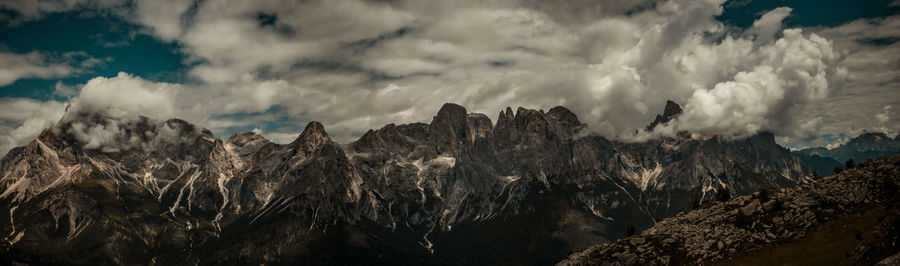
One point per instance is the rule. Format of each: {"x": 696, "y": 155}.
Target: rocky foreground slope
{"x": 531, "y": 188}
{"x": 770, "y": 219}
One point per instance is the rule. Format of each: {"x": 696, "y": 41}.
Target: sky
{"x": 814, "y": 73}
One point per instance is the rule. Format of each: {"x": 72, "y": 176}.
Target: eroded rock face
{"x": 413, "y": 194}
{"x": 767, "y": 218}
{"x": 449, "y": 129}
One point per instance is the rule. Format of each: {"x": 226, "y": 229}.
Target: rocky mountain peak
{"x": 870, "y": 137}
{"x": 370, "y": 141}
{"x": 671, "y": 111}
{"x": 391, "y": 133}
{"x": 534, "y": 125}
{"x": 529, "y": 126}
{"x": 314, "y": 134}
{"x": 873, "y": 141}
{"x": 505, "y": 118}
{"x": 505, "y": 132}
{"x": 563, "y": 114}
{"x": 243, "y": 138}
{"x": 451, "y": 116}
{"x": 100, "y": 132}
{"x": 566, "y": 122}
{"x": 247, "y": 147}
{"x": 865, "y": 146}
{"x": 448, "y": 128}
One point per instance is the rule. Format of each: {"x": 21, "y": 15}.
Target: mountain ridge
{"x": 415, "y": 193}
{"x": 869, "y": 145}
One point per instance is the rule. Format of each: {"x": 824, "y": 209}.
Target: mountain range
{"x": 869, "y": 145}
{"x": 530, "y": 188}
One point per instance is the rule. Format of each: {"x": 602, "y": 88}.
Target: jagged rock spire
{"x": 671, "y": 111}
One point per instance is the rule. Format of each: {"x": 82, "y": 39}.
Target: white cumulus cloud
{"x": 355, "y": 65}
{"x": 23, "y": 119}
{"x": 30, "y": 65}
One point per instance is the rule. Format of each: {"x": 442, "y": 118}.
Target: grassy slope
{"x": 829, "y": 245}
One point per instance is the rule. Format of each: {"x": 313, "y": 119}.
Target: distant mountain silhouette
{"x": 869, "y": 145}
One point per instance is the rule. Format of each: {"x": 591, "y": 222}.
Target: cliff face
{"x": 533, "y": 187}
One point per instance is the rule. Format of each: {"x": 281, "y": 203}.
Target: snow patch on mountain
{"x": 643, "y": 177}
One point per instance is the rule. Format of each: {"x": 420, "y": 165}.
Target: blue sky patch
{"x": 807, "y": 13}
{"x": 99, "y": 37}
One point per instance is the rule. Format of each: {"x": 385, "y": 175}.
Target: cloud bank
{"x": 23, "y": 119}
{"x": 117, "y": 102}
{"x": 355, "y": 65}
{"x": 792, "y": 72}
